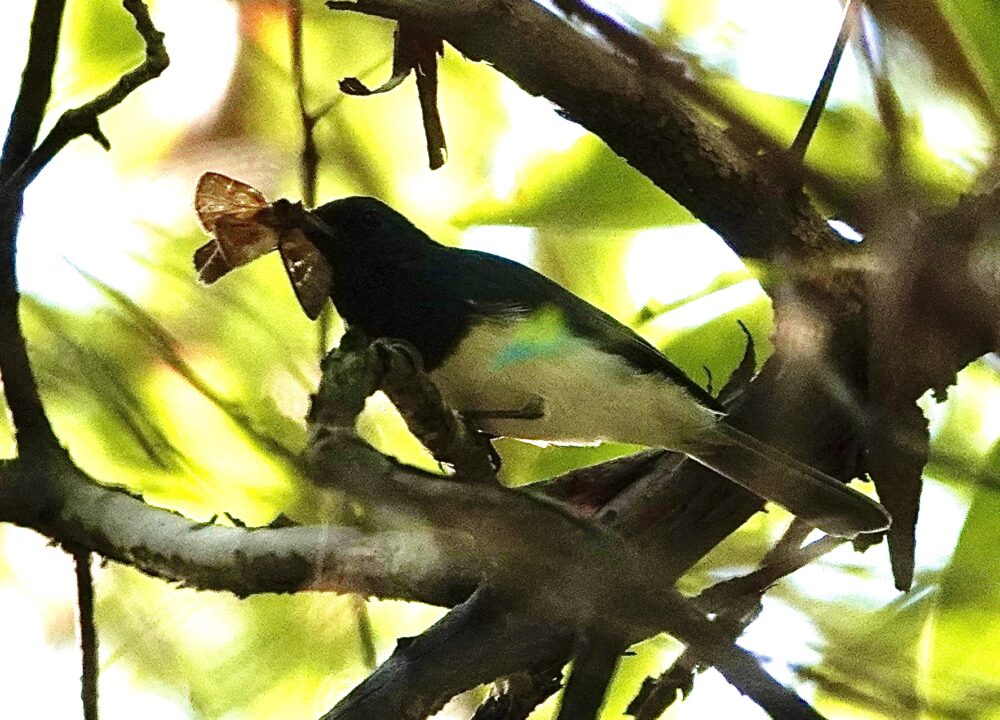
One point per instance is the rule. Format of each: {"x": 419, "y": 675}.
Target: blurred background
{"x": 190, "y": 394}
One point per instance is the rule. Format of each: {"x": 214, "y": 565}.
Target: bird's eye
{"x": 371, "y": 220}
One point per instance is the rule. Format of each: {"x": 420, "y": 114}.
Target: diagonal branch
{"x": 84, "y": 120}
{"x": 811, "y": 121}
{"x": 635, "y": 109}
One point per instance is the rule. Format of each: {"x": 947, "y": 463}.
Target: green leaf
{"x": 585, "y": 187}
{"x": 966, "y": 629}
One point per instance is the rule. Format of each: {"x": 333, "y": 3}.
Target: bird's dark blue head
{"x": 380, "y": 265}
{"x": 365, "y": 226}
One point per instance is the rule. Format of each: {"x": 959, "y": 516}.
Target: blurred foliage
{"x": 195, "y": 396}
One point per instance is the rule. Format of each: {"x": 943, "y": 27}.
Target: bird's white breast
{"x": 588, "y": 395}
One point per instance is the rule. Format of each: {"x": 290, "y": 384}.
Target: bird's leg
{"x": 390, "y": 347}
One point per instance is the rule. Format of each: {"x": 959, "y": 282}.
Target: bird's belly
{"x": 586, "y": 395}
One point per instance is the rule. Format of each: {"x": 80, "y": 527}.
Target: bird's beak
{"x": 285, "y": 215}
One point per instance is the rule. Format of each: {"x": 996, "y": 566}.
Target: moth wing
{"x": 210, "y": 263}
{"x": 242, "y": 239}
{"x": 308, "y": 271}
{"x": 218, "y": 195}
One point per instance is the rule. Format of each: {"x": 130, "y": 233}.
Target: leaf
{"x": 966, "y": 628}
{"x": 586, "y": 187}
{"x": 959, "y": 37}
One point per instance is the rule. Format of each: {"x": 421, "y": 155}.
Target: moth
{"x": 245, "y": 226}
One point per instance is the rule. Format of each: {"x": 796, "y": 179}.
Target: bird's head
{"x": 363, "y": 225}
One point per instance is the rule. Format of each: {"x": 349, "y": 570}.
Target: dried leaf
{"x": 413, "y": 50}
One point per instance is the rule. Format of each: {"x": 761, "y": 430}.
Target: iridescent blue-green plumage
{"x": 467, "y": 312}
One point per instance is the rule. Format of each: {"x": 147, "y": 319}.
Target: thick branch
{"x": 637, "y": 112}
{"x": 71, "y": 509}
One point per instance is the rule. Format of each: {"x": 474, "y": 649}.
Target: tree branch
{"x": 84, "y": 120}
{"x": 635, "y": 109}
{"x": 31, "y": 426}
{"x": 88, "y": 634}
{"x": 36, "y": 84}
{"x": 539, "y": 554}
{"x": 811, "y": 121}
{"x": 71, "y": 509}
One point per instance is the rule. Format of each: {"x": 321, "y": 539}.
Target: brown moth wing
{"x": 242, "y": 240}
{"x": 307, "y": 269}
{"x": 204, "y": 254}
{"x": 218, "y": 195}
{"x": 238, "y": 215}
{"x": 237, "y": 242}
{"x": 210, "y": 263}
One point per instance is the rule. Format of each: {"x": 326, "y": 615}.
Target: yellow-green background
{"x": 182, "y": 392}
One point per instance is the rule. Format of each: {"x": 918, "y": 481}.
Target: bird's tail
{"x": 817, "y": 498}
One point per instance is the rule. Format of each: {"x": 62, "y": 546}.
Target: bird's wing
{"x": 495, "y": 286}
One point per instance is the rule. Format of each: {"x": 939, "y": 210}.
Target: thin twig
{"x": 309, "y": 158}
{"x": 309, "y": 169}
{"x": 716, "y": 596}
{"x": 84, "y": 120}
{"x": 811, "y": 121}
{"x": 888, "y": 104}
{"x": 33, "y": 431}
{"x": 736, "y": 602}
{"x": 88, "y": 634}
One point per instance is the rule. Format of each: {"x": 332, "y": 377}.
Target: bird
{"x": 523, "y": 357}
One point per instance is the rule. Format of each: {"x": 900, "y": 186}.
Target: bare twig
{"x": 716, "y": 597}
{"x": 427, "y": 93}
{"x": 736, "y": 602}
{"x": 309, "y": 167}
{"x": 33, "y": 431}
{"x": 309, "y": 158}
{"x": 88, "y": 633}
{"x": 799, "y": 146}
{"x": 84, "y": 120}
{"x": 890, "y": 107}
